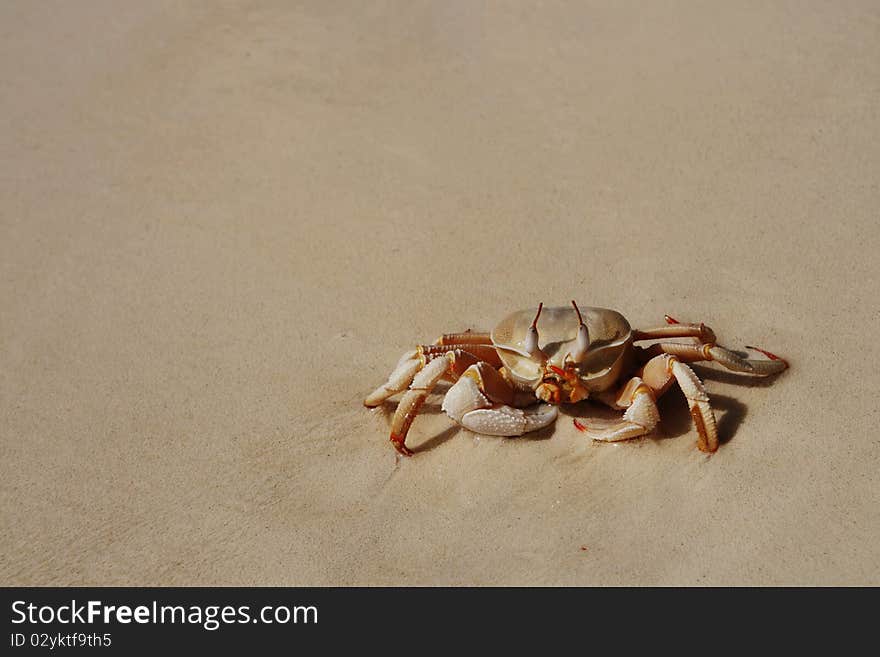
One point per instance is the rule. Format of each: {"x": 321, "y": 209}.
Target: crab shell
{"x": 609, "y": 354}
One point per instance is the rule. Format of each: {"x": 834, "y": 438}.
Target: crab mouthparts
{"x": 549, "y": 392}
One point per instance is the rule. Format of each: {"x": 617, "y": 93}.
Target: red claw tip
{"x": 671, "y": 320}
{"x": 579, "y": 426}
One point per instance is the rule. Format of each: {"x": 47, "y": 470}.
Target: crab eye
{"x": 531, "y": 344}
{"x": 531, "y": 341}
{"x": 583, "y": 338}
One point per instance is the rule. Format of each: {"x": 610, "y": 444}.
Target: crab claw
{"x": 471, "y": 408}
{"x": 500, "y": 420}
{"x": 671, "y": 320}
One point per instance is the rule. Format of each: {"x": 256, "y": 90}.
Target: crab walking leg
{"x": 453, "y": 363}
{"x": 659, "y": 373}
{"x": 676, "y": 329}
{"x": 413, "y": 361}
{"x": 468, "y": 337}
{"x": 698, "y": 403}
{"x": 735, "y": 362}
{"x": 412, "y": 401}
{"x": 706, "y": 349}
{"x": 484, "y": 402}
{"x": 483, "y": 352}
{"x": 401, "y": 376}
{"x": 731, "y": 360}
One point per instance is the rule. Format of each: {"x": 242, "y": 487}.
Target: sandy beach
{"x": 223, "y": 223}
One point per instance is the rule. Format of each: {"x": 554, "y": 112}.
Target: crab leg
{"x": 638, "y": 397}
{"x": 706, "y": 349}
{"x": 731, "y": 360}
{"x": 676, "y": 329}
{"x": 401, "y": 376}
{"x": 468, "y": 337}
{"x": 452, "y": 363}
{"x": 412, "y": 401}
{"x": 483, "y": 352}
{"x": 698, "y": 403}
{"x": 413, "y": 361}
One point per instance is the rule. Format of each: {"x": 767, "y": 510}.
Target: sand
{"x": 223, "y": 223}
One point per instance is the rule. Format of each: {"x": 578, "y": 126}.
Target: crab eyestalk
{"x": 531, "y": 342}
{"x": 583, "y": 338}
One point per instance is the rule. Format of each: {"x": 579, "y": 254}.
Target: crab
{"x": 511, "y": 381}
